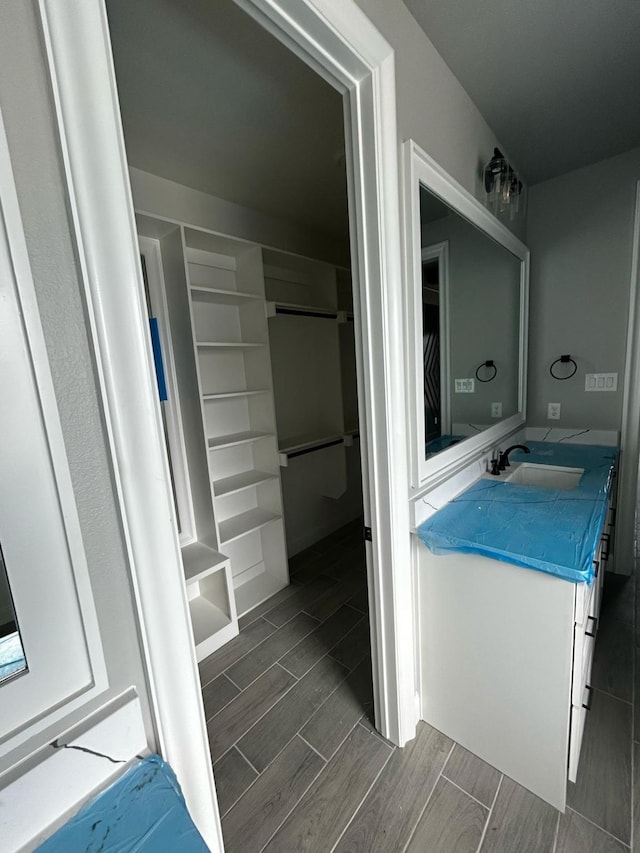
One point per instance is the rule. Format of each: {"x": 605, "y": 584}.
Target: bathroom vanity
{"x": 509, "y": 584}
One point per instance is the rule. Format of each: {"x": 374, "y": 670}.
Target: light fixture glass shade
{"x": 503, "y": 187}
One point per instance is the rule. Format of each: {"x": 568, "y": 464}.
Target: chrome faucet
{"x": 504, "y": 457}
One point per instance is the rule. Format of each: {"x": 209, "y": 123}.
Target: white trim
{"x": 83, "y": 84}
{"x": 66, "y": 778}
{"x": 337, "y": 40}
{"x": 441, "y": 252}
{"x": 44, "y": 694}
{"x": 630, "y": 438}
{"x": 335, "y": 36}
{"x": 420, "y": 169}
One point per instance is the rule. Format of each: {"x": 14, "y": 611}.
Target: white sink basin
{"x": 548, "y": 476}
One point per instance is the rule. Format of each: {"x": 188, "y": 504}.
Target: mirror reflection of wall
{"x": 471, "y": 315}
{"x": 12, "y": 659}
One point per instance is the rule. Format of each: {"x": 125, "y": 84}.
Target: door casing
{"x": 336, "y": 39}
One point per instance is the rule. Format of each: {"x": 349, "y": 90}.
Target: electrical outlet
{"x": 553, "y": 411}
{"x": 496, "y": 410}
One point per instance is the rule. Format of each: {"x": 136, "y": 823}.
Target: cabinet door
{"x": 578, "y": 719}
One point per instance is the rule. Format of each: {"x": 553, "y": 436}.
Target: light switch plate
{"x": 601, "y": 382}
{"x": 465, "y": 386}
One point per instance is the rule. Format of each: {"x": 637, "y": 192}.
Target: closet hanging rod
{"x": 307, "y": 312}
{"x": 304, "y": 450}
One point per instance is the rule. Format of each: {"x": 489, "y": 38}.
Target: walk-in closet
{"x": 236, "y": 155}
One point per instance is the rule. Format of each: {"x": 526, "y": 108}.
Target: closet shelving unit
{"x": 311, "y": 332}
{"x": 231, "y": 346}
{"x": 236, "y": 312}
{"x": 207, "y": 571}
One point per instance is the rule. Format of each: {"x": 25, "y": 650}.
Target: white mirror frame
{"x": 420, "y": 169}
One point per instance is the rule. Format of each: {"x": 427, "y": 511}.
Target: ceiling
{"x": 212, "y": 101}
{"x": 556, "y": 80}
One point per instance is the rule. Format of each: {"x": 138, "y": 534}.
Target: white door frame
{"x": 630, "y": 437}
{"x": 337, "y": 40}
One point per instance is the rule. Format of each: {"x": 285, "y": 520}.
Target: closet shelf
{"x": 230, "y": 440}
{"x": 252, "y": 593}
{"x": 246, "y": 522}
{"x": 326, "y": 312}
{"x": 222, "y": 297}
{"x": 206, "y": 619}
{"x": 224, "y": 395}
{"x": 227, "y": 345}
{"x": 239, "y": 482}
{"x": 299, "y": 444}
{"x": 199, "y": 560}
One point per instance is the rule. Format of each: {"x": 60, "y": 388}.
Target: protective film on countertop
{"x": 143, "y": 810}
{"x": 538, "y": 528}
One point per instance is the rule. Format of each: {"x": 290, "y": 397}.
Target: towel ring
{"x": 487, "y": 364}
{"x": 564, "y": 359}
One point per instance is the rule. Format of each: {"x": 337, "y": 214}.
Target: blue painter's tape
{"x": 536, "y": 528}
{"x": 157, "y": 358}
{"x": 143, "y": 811}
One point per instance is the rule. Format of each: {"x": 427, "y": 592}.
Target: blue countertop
{"x": 549, "y": 530}
{"x": 142, "y": 811}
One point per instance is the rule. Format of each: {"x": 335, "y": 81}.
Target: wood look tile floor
{"x": 299, "y": 767}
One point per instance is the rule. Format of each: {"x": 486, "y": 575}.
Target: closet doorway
{"x": 237, "y": 157}
{"x": 348, "y": 51}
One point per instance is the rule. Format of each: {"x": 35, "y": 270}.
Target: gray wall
{"x": 580, "y": 236}
{"x": 433, "y": 108}
{"x": 26, "y": 105}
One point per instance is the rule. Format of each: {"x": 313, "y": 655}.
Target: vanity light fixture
{"x": 564, "y": 359}
{"x": 502, "y": 185}
{"x": 491, "y": 366}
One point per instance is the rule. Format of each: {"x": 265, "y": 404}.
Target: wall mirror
{"x": 468, "y": 277}
{"x": 12, "y": 659}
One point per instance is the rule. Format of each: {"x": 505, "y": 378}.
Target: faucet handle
{"x": 495, "y": 467}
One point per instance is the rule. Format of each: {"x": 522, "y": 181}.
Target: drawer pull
{"x": 594, "y": 619}
{"x": 604, "y": 556}
{"x": 587, "y": 705}
{"x": 612, "y": 520}
{"x": 596, "y": 569}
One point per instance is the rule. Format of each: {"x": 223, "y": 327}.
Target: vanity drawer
{"x": 578, "y": 719}
{"x": 583, "y": 646}
{"x": 585, "y": 599}
{"x": 588, "y": 597}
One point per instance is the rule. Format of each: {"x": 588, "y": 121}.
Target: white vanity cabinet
{"x": 505, "y": 662}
